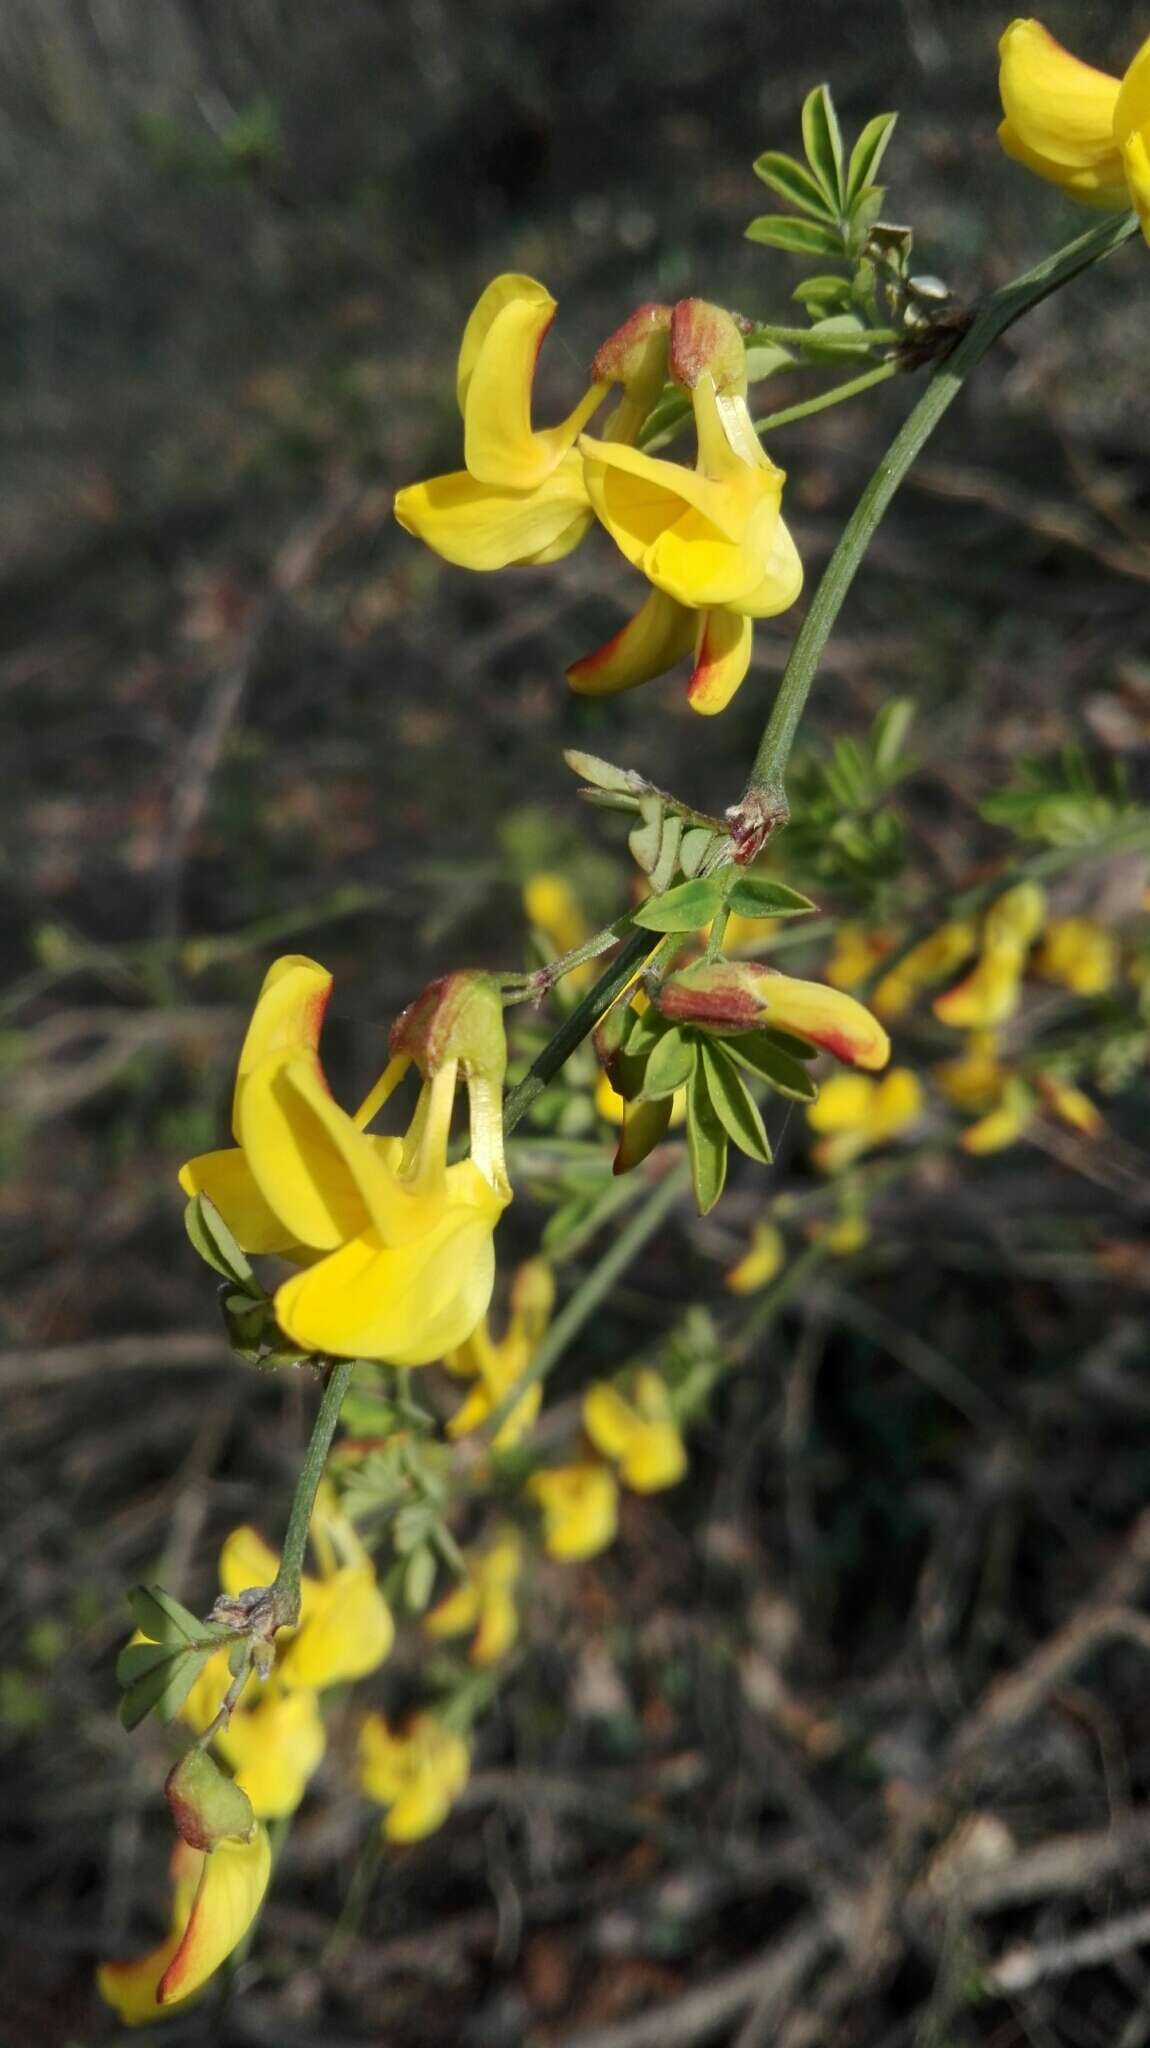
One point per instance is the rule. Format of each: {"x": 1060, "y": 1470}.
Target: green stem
{"x": 286, "y": 1593}
{"x": 824, "y": 344}
{"x": 576, "y": 1027}
{"x": 592, "y": 1289}
{"x": 764, "y": 803}
{"x": 837, "y": 394}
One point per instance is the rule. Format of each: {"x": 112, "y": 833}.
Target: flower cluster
{"x": 710, "y": 541}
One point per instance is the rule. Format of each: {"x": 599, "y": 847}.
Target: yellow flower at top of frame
{"x": 580, "y": 1505}
{"x": 1077, "y": 127}
{"x": 1080, "y": 954}
{"x": 494, "y": 1365}
{"x": 521, "y": 496}
{"x": 396, "y": 1246}
{"x": 853, "y": 1114}
{"x": 417, "y": 1772}
{"x": 216, "y": 1896}
{"x": 640, "y": 1436}
{"x": 484, "y": 1601}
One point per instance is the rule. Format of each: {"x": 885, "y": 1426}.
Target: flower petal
{"x": 226, "y": 1179}
{"x": 323, "y": 1177}
{"x": 230, "y": 1892}
{"x": 347, "y": 1633}
{"x": 480, "y": 526}
{"x": 658, "y": 636}
{"x": 499, "y": 445}
{"x": 406, "y": 1305}
{"x": 274, "y": 1749}
{"x": 722, "y": 658}
{"x": 130, "y": 1988}
{"x": 510, "y": 288}
{"x": 828, "y": 1017}
{"x": 609, "y": 1420}
{"x": 1058, "y": 110}
{"x": 580, "y": 1505}
{"x": 288, "y": 1017}
{"x": 246, "y": 1561}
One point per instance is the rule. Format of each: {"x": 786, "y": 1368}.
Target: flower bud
{"x": 635, "y": 356}
{"x": 207, "y": 1807}
{"x": 459, "y": 1017}
{"x": 705, "y": 341}
{"x": 733, "y": 996}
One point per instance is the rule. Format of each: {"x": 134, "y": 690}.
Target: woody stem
{"x": 763, "y": 805}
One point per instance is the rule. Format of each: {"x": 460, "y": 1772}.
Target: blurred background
{"x": 242, "y": 713}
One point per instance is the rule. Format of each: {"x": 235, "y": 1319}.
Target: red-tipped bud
{"x": 627, "y": 354}
{"x": 732, "y": 996}
{"x": 706, "y": 342}
{"x": 207, "y": 1807}
{"x": 459, "y": 1017}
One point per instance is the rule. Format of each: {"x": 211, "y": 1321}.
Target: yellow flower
{"x": 417, "y": 1773}
{"x": 1079, "y": 954}
{"x": 640, "y": 1436}
{"x": 1077, "y": 127}
{"x": 931, "y": 961}
{"x": 760, "y": 1263}
{"x": 495, "y": 1367}
{"x": 856, "y": 951}
{"x": 1003, "y": 1125}
{"x": 991, "y": 992}
{"x": 580, "y": 1505}
{"x": 485, "y": 1601}
{"x": 552, "y": 907}
{"x": 710, "y": 540}
{"x": 521, "y": 497}
{"x": 396, "y": 1246}
{"x": 853, "y": 1114}
{"x": 976, "y": 1078}
{"x": 216, "y": 1897}
{"x": 849, "y": 1233}
{"x": 1071, "y": 1105}
{"x": 732, "y": 995}
{"x": 273, "y": 1748}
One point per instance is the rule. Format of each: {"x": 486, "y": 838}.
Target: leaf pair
{"x": 836, "y": 201}
{"x": 692, "y": 905}
{"x": 157, "y": 1675}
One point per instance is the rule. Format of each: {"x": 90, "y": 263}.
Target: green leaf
{"x": 836, "y": 335}
{"x": 647, "y": 838}
{"x": 888, "y": 732}
{"x": 164, "y": 1689}
{"x": 734, "y": 1105}
{"x": 137, "y": 1659}
{"x": 787, "y": 1076}
{"x": 791, "y": 181}
{"x": 161, "y": 1618}
{"x": 668, "y": 859}
{"x": 867, "y": 209}
{"x": 824, "y": 145}
{"x": 798, "y": 237}
{"x": 867, "y": 155}
{"x": 706, "y": 1142}
{"x": 603, "y": 774}
{"x": 682, "y": 909}
{"x": 694, "y": 848}
{"x": 215, "y": 1244}
{"x": 822, "y": 295}
{"x": 412, "y": 1526}
{"x": 764, "y": 359}
{"x": 419, "y": 1578}
{"x": 670, "y": 1066}
{"x": 756, "y": 896}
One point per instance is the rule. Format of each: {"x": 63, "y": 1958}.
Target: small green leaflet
{"x": 734, "y": 1105}
{"x": 671, "y": 1064}
{"x": 791, "y": 181}
{"x": 824, "y": 147}
{"x": 684, "y": 908}
{"x": 867, "y": 155}
{"x": 217, "y": 1247}
{"x": 757, "y": 896}
{"x": 162, "y": 1619}
{"x": 798, "y": 237}
{"x": 758, "y": 1056}
{"x": 706, "y": 1143}
{"x": 163, "y": 1688}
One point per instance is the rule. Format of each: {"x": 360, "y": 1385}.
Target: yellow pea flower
{"x": 975, "y": 1079}
{"x": 484, "y": 1602}
{"x": 580, "y": 1505}
{"x": 396, "y": 1246}
{"x": 1003, "y": 1125}
{"x": 640, "y": 1436}
{"x": 274, "y": 1748}
{"x": 494, "y": 1366}
{"x": 1071, "y": 1105}
{"x": 1080, "y": 955}
{"x": 1077, "y": 127}
{"x": 711, "y": 540}
{"x": 761, "y": 1262}
{"x": 991, "y": 992}
{"x": 853, "y": 1114}
{"x": 843, "y": 1237}
{"x": 931, "y": 961}
{"x": 417, "y": 1772}
{"x": 733, "y": 995}
{"x": 521, "y": 496}
{"x": 346, "y": 1628}
{"x": 216, "y": 1896}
